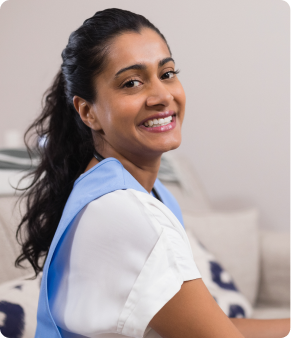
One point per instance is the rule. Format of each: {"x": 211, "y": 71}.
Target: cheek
{"x": 122, "y": 114}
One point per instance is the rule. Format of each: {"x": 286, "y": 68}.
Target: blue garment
{"x": 105, "y": 177}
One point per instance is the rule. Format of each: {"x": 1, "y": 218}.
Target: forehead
{"x": 130, "y": 48}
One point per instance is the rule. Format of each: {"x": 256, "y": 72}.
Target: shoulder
{"x": 121, "y": 200}
{"x": 114, "y": 225}
{"x": 121, "y": 213}
{"x": 120, "y": 222}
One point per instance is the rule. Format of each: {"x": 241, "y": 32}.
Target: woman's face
{"x": 140, "y": 102}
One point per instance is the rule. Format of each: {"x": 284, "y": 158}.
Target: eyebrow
{"x": 140, "y": 66}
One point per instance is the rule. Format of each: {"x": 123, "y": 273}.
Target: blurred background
{"x": 234, "y": 62}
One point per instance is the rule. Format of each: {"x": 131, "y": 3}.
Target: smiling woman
{"x": 117, "y": 259}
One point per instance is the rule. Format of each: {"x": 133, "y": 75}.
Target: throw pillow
{"x": 219, "y": 282}
{"x": 233, "y": 238}
{"x": 18, "y": 307}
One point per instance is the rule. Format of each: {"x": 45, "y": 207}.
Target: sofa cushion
{"x": 267, "y": 311}
{"x": 233, "y": 238}
{"x": 275, "y": 268}
{"x": 18, "y": 307}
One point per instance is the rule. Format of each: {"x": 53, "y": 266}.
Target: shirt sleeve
{"x": 123, "y": 258}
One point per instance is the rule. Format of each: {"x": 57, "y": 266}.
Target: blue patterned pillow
{"x": 18, "y": 307}
{"x": 219, "y": 282}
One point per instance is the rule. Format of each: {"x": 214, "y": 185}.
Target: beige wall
{"x": 234, "y": 61}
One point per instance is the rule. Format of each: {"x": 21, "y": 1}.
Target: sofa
{"x": 257, "y": 260}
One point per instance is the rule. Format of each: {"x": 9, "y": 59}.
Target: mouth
{"x": 158, "y": 119}
{"x": 160, "y": 123}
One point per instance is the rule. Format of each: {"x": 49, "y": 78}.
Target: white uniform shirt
{"x": 127, "y": 256}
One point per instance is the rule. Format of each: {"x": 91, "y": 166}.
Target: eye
{"x": 169, "y": 75}
{"x": 131, "y": 84}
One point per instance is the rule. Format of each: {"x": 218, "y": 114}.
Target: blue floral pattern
{"x": 13, "y": 324}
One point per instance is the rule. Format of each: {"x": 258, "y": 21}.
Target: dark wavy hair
{"x": 67, "y": 143}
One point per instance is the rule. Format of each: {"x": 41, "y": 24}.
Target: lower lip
{"x": 161, "y": 129}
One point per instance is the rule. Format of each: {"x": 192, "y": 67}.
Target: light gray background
{"x": 234, "y": 61}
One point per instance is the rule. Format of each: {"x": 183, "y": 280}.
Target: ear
{"x": 87, "y": 113}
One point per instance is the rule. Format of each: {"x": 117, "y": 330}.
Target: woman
{"x": 118, "y": 262}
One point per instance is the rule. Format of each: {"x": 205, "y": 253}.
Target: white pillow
{"x": 219, "y": 282}
{"x": 232, "y": 237}
{"x": 18, "y": 307}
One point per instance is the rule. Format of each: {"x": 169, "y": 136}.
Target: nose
{"x": 159, "y": 95}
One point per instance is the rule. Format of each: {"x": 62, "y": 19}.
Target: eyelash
{"x": 174, "y": 72}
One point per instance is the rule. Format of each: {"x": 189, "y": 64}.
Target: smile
{"x": 158, "y": 122}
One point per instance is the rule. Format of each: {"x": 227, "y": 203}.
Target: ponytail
{"x": 64, "y": 153}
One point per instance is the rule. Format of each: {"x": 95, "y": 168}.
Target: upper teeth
{"x": 158, "y": 122}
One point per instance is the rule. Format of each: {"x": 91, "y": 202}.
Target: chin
{"x": 167, "y": 146}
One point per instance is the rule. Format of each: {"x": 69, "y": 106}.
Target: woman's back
{"x": 126, "y": 257}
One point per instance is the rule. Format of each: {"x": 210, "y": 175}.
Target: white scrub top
{"x": 126, "y": 255}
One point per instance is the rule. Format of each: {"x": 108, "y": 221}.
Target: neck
{"x": 143, "y": 168}
{"x": 144, "y": 171}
